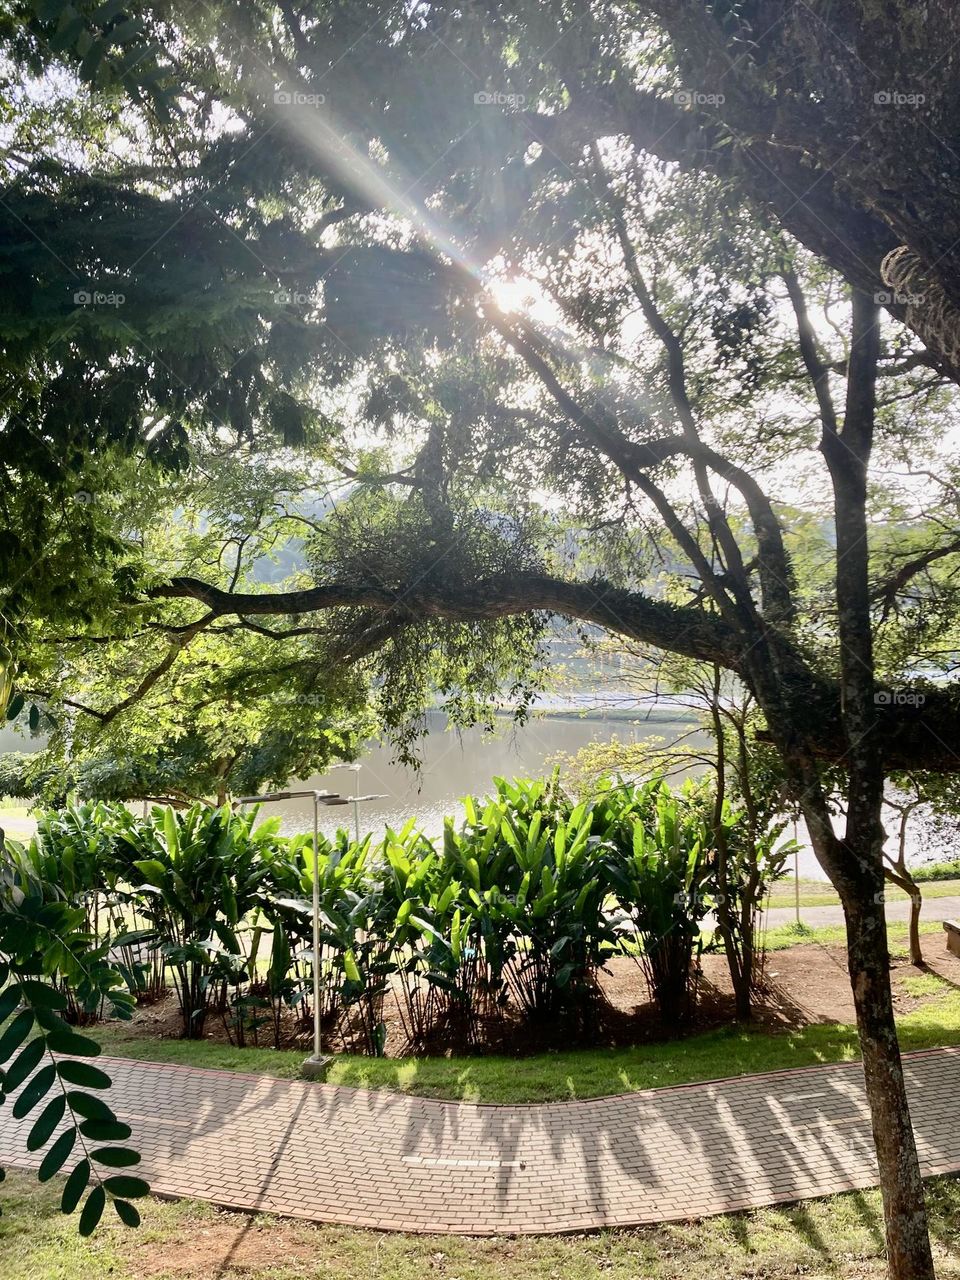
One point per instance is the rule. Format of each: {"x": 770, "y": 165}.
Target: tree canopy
{"x": 540, "y": 300}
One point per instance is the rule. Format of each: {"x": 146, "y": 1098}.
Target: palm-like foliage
{"x": 658, "y": 869}
{"x": 199, "y": 876}
{"x": 518, "y": 907}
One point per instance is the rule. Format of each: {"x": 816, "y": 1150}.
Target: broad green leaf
{"x": 92, "y": 1211}
{"x": 82, "y": 1073}
{"x": 128, "y": 1213}
{"x": 116, "y": 1157}
{"x": 36, "y": 1088}
{"x": 24, "y": 1064}
{"x": 105, "y": 1130}
{"x": 16, "y": 1033}
{"x": 350, "y": 967}
{"x": 128, "y": 1188}
{"x": 42, "y": 994}
{"x": 67, "y": 1041}
{"x": 75, "y": 1186}
{"x": 90, "y": 1106}
{"x": 54, "y": 1161}
{"x": 46, "y": 1122}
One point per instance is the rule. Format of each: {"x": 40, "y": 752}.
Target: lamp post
{"x": 314, "y": 1067}
{"x": 357, "y": 800}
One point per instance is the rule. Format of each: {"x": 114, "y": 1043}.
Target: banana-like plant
{"x": 657, "y": 867}
{"x": 199, "y": 874}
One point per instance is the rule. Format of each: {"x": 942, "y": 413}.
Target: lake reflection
{"x": 455, "y": 765}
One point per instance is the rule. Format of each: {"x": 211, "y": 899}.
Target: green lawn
{"x": 838, "y": 1237}
{"x": 577, "y": 1073}
{"x": 819, "y": 893}
{"x": 583, "y": 1073}
{"x": 789, "y": 935}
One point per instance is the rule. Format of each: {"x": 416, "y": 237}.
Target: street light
{"x": 316, "y": 1066}
{"x": 358, "y": 799}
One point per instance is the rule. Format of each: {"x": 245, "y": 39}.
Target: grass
{"x": 819, "y": 893}
{"x": 583, "y": 1073}
{"x": 840, "y": 1237}
{"x": 789, "y": 935}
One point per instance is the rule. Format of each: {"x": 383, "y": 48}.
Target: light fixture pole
{"x": 314, "y": 1067}
{"x": 356, "y": 800}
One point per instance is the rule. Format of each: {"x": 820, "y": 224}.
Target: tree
{"x": 660, "y": 412}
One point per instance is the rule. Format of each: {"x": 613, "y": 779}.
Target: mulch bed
{"x": 803, "y": 985}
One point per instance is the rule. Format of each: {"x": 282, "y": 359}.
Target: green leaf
{"x": 75, "y": 1186}
{"x": 92, "y": 1211}
{"x": 15, "y": 1034}
{"x": 54, "y": 1161}
{"x": 24, "y": 1064}
{"x": 115, "y": 1157}
{"x": 9, "y": 999}
{"x": 64, "y": 1040}
{"x": 350, "y": 967}
{"x": 37, "y": 1088}
{"x": 105, "y": 1130}
{"x": 121, "y": 1184}
{"x": 153, "y": 872}
{"x": 127, "y": 1213}
{"x": 42, "y": 994}
{"x": 82, "y": 1073}
{"x": 46, "y": 1122}
{"x": 89, "y": 1106}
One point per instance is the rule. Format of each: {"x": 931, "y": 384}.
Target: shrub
{"x": 198, "y": 874}
{"x": 658, "y": 870}
{"x": 518, "y": 907}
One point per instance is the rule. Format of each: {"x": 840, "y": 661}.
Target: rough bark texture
{"x": 908, "y": 1246}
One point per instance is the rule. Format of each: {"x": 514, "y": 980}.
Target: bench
{"x": 952, "y": 930}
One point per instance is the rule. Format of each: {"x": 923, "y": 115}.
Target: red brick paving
{"x": 333, "y": 1154}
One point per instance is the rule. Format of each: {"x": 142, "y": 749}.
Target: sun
{"x": 512, "y": 295}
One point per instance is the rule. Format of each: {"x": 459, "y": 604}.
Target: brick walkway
{"x": 384, "y": 1160}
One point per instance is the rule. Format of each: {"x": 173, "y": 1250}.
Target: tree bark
{"x": 909, "y": 1256}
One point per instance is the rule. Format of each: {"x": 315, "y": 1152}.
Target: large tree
{"x": 309, "y": 245}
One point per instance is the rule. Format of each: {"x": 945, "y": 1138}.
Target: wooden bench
{"x": 952, "y": 930}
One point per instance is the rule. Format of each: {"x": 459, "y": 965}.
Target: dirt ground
{"x": 802, "y": 985}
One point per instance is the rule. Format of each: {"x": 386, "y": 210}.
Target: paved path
{"x": 895, "y": 910}
{"x": 385, "y": 1160}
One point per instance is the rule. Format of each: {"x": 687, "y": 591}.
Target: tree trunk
{"x": 739, "y": 957}
{"x": 916, "y": 955}
{"x": 897, "y": 873}
{"x": 909, "y": 1255}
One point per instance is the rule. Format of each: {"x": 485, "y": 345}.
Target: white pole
{"x": 356, "y": 810}
{"x": 796, "y": 869}
{"x": 316, "y": 925}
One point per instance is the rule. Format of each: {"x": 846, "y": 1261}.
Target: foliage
{"x": 659, "y": 871}
{"x": 44, "y": 942}
{"x": 198, "y": 875}
{"x": 516, "y": 909}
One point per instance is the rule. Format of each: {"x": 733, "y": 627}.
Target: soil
{"x": 802, "y": 985}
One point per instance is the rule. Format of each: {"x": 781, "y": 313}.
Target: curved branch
{"x": 685, "y": 630}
